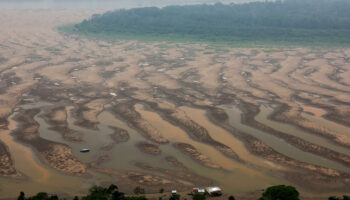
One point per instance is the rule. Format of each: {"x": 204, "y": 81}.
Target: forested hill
{"x": 289, "y": 21}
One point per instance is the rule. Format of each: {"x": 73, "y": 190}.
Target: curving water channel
{"x": 265, "y": 112}
{"x": 125, "y": 155}
{"x": 333, "y": 126}
{"x": 37, "y": 176}
{"x": 236, "y": 177}
{"x": 96, "y": 140}
{"x": 279, "y": 144}
{"x": 224, "y": 137}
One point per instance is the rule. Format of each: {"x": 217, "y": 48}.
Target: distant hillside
{"x": 290, "y": 21}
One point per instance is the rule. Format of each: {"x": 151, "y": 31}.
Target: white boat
{"x": 85, "y": 150}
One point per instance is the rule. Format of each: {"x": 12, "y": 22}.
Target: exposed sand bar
{"x": 343, "y": 130}
{"x": 236, "y": 171}
{"x": 127, "y": 148}
{"x": 38, "y": 176}
{"x": 223, "y": 136}
{"x": 83, "y": 80}
{"x": 279, "y": 144}
{"x": 263, "y": 118}
{"x": 176, "y": 134}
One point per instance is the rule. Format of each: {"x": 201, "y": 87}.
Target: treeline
{"x": 278, "y": 192}
{"x": 310, "y": 21}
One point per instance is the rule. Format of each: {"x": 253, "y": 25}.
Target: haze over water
{"x": 97, "y": 4}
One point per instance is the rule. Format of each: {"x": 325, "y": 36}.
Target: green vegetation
{"x": 308, "y": 22}
{"x": 139, "y": 190}
{"x": 39, "y": 196}
{"x": 198, "y": 197}
{"x": 175, "y": 197}
{"x": 337, "y": 198}
{"x": 280, "y": 192}
{"x": 161, "y": 190}
{"x": 231, "y": 198}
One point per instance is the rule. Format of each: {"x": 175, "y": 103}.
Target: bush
{"x": 280, "y": 192}
{"x": 39, "y": 196}
{"x": 21, "y": 196}
{"x": 175, "y": 197}
{"x": 101, "y": 193}
{"x": 333, "y": 198}
{"x": 231, "y": 198}
{"x": 198, "y": 197}
{"x": 337, "y": 198}
{"x": 139, "y": 190}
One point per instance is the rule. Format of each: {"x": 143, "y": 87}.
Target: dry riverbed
{"x": 157, "y": 114}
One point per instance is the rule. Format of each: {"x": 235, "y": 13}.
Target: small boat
{"x": 85, "y": 150}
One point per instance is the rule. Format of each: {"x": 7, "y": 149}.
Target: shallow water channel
{"x": 279, "y": 144}
{"x": 124, "y": 155}
{"x": 265, "y": 111}
{"x": 235, "y": 177}
{"x": 37, "y": 176}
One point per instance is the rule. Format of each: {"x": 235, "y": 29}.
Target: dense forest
{"x": 289, "y": 21}
{"x": 278, "y": 192}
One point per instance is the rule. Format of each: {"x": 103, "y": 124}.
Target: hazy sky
{"x": 99, "y": 4}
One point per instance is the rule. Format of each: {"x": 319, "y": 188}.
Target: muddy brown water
{"x": 278, "y": 144}
{"x": 124, "y": 155}
{"x": 236, "y": 178}
{"x": 121, "y": 156}
{"x": 38, "y": 176}
{"x": 222, "y": 136}
{"x": 343, "y": 130}
{"x": 265, "y": 112}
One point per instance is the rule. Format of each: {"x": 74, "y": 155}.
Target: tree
{"x": 98, "y": 193}
{"x": 337, "y": 198}
{"x": 40, "y": 196}
{"x": 102, "y": 193}
{"x": 53, "y": 197}
{"x": 284, "y": 20}
{"x": 76, "y": 198}
{"x": 231, "y": 198}
{"x": 112, "y": 188}
{"x": 161, "y": 190}
{"x": 21, "y": 196}
{"x": 280, "y": 192}
{"x": 175, "y": 197}
{"x": 198, "y": 197}
{"x": 139, "y": 190}
{"x": 118, "y": 195}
